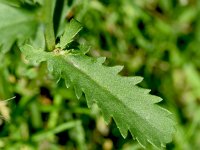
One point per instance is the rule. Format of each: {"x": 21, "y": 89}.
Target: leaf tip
{"x": 101, "y": 60}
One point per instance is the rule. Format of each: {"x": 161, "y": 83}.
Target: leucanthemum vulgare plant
{"x": 132, "y": 108}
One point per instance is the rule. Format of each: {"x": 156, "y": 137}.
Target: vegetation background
{"x": 156, "y": 39}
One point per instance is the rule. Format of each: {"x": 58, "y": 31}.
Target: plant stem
{"x": 57, "y": 14}
{"x": 49, "y": 30}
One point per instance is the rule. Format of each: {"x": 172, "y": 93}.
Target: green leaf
{"x": 16, "y": 24}
{"x": 70, "y": 32}
{"x": 18, "y": 3}
{"x": 132, "y": 107}
{"x": 34, "y": 1}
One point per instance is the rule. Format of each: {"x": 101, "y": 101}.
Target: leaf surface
{"x": 132, "y": 108}
{"x": 70, "y": 32}
{"x": 16, "y": 24}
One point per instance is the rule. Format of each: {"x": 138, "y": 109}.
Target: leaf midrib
{"x": 107, "y": 91}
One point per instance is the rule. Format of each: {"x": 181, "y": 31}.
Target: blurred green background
{"x": 156, "y": 39}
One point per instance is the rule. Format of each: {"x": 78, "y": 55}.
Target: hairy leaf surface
{"x": 132, "y": 107}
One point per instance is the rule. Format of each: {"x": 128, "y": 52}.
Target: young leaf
{"x": 70, "y": 32}
{"x": 132, "y": 107}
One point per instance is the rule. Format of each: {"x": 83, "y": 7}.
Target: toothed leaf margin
{"x": 132, "y": 108}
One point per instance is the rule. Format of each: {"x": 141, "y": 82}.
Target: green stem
{"x": 49, "y": 29}
{"x": 54, "y": 115}
{"x": 57, "y": 14}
